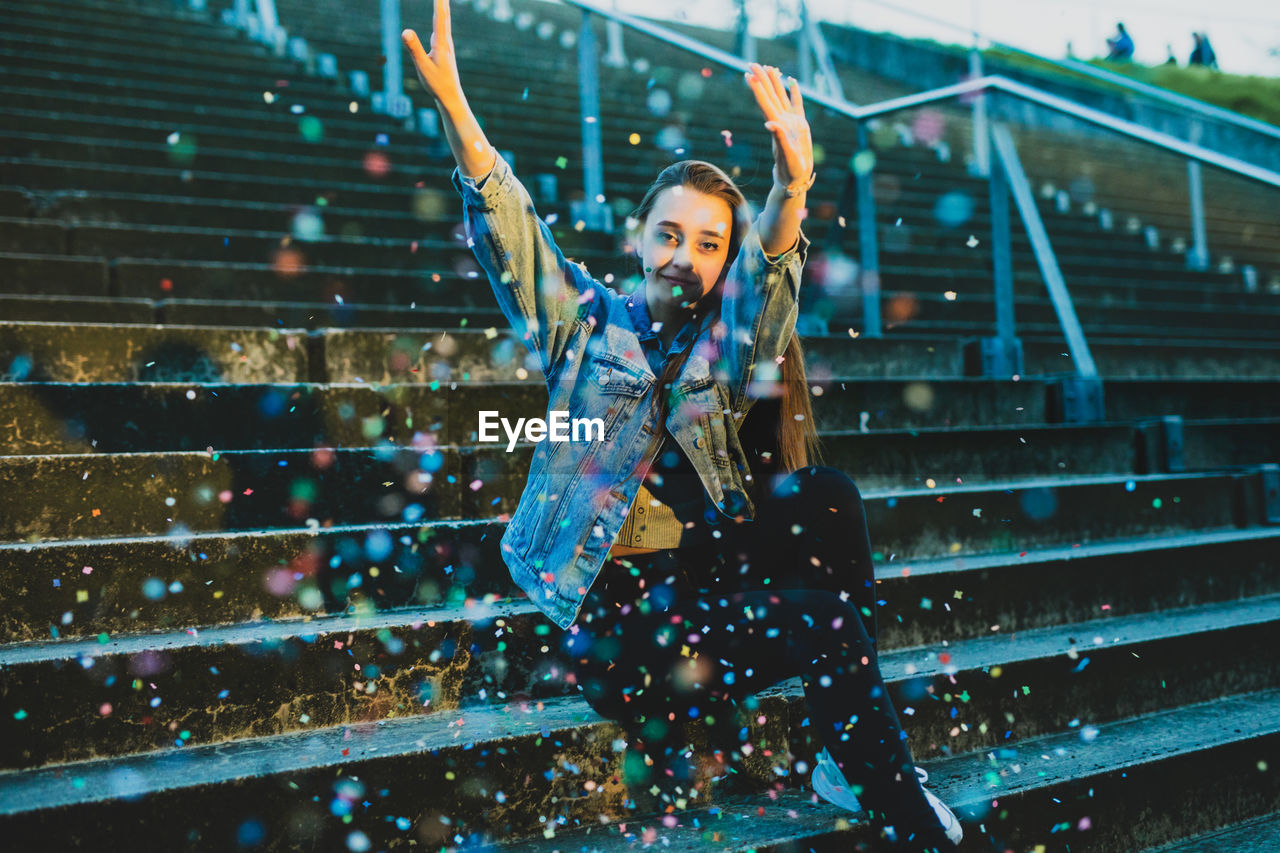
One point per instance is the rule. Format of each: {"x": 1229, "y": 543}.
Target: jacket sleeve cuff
{"x": 798, "y": 249}
{"x": 484, "y": 192}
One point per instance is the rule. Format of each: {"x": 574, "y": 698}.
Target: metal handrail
{"x": 1002, "y": 354}
{"x": 992, "y": 81}
{"x": 1158, "y": 93}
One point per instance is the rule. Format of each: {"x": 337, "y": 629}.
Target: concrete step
{"x": 300, "y": 571}
{"x": 73, "y": 206}
{"x": 91, "y": 352}
{"x": 83, "y": 417}
{"x": 440, "y": 253}
{"x": 159, "y": 493}
{"x": 1143, "y": 333}
{"x": 440, "y": 245}
{"x": 937, "y": 355}
{"x": 413, "y": 662}
{"x": 1139, "y": 781}
{"x": 49, "y": 308}
{"x": 98, "y": 352}
{"x": 1095, "y": 314}
{"x": 223, "y": 312}
{"x": 987, "y": 787}
{"x": 1259, "y": 835}
{"x": 40, "y": 175}
{"x": 96, "y": 495}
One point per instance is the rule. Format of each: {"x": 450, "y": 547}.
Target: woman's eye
{"x": 711, "y": 247}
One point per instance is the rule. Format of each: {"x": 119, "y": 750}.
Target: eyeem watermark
{"x": 555, "y": 428}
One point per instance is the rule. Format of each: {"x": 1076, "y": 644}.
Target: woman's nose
{"x": 682, "y": 256}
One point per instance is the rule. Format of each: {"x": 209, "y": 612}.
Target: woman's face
{"x": 684, "y": 246}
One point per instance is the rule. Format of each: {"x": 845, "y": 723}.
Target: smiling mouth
{"x": 679, "y": 281}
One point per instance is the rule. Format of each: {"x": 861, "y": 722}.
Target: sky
{"x": 1244, "y": 33}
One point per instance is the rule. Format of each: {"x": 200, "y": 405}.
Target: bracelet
{"x": 796, "y": 189}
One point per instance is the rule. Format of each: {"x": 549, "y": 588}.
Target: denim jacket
{"x": 588, "y": 341}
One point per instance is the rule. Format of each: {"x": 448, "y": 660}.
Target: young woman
{"x": 684, "y": 582}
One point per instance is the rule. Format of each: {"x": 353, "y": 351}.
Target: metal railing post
{"x": 869, "y": 279}
{"x": 806, "y": 47}
{"x": 744, "y": 43}
{"x": 981, "y": 131}
{"x": 1002, "y": 258}
{"x": 1007, "y": 161}
{"x": 1198, "y": 257}
{"x": 818, "y": 45}
{"x": 615, "y": 56}
{"x": 392, "y": 72}
{"x": 267, "y": 17}
{"x": 589, "y": 102}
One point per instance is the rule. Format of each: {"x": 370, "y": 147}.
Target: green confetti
{"x": 562, "y": 162}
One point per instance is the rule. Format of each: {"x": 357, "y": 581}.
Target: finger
{"x": 779, "y": 90}
{"x": 765, "y": 94}
{"x": 760, "y": 77}
{"x": 769, "y": 78}
{"x": 411, "y": 41}
{"x": 797, "y": 98}
{"x": 767, "y": 106}
{"x": 445, "y": 15}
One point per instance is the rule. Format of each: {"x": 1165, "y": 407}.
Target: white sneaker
{"x": 829, "y": 783}
{"x": 950, "y": 824}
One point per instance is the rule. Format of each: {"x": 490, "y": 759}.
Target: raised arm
{"x": 762, "y": 288}
{"x": 793, "y": 171}
{"x": 438, "y": 73}
{"x": 541, "y": 294}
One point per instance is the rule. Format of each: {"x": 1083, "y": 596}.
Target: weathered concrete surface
{"x": 224, "y": 578}
{"x": 55, "y": 352}
{"x": 59, "y": 497}
{"x": 964, "y": 696}
{"x": 38, "y": 418}
{"x": 1260, "y": 835}
{"x": 31, "y": 273}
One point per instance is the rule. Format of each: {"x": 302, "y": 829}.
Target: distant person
{"x": 1202, "y": 53}
{"x": 1170, "y": 59}
{"x": 1121, "y": 45}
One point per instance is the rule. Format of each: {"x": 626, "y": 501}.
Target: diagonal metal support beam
{"x": 1045, "y": 259}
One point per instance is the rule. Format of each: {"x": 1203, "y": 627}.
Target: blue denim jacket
{"x": 588, "y": 340}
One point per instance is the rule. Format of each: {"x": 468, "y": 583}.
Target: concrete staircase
{"x": 252, "y": 595}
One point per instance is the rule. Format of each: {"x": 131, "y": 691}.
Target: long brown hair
{"x": 793, "y": 433}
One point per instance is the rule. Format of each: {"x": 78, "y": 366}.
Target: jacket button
{"x": 697, "y": 442}
{"x": 640, "y": 510}
{"x": 637, "y": 537}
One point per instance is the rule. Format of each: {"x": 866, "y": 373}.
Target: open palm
{"x": 785, "y": 119}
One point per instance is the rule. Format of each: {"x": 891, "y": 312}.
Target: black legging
{"x": 632, "y": 646}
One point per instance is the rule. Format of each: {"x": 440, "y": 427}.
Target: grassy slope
{"x": 1257, "y": 97}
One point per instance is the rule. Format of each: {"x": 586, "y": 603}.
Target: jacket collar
{"x": 638, "y": 311}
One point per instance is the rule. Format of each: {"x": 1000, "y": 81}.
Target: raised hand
{"x": 438, "y": 70}
{"x": 785, "y": 119}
